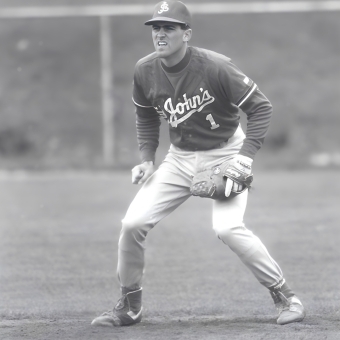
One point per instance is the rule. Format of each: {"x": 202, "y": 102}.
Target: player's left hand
{"x": 243, "y": 165}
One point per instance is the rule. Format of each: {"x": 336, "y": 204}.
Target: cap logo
{"x": 164, "y": 7}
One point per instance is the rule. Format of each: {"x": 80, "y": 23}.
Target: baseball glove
{"x": 211, "y": 183}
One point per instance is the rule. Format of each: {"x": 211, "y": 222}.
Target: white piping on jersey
{"x": 248, "y": 95}
{"x": 139, "y": 104}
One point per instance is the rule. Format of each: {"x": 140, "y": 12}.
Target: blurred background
{"x": 51, "y": 109}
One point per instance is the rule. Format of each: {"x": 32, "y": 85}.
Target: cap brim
{"x": 151, "y": 21}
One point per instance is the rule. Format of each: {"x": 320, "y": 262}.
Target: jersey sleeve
{"x": 237, "y": 86}
{"x": 259, "y": 111}
{"x": 138, "y": 95}
{"x": 147, "y": 125}
{"x": 147, "y": 120}
{"x": 245, "y": 94}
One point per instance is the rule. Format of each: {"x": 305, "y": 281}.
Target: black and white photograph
{"x": 169, "y": 170}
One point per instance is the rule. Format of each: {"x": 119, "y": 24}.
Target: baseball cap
{"x": 172, "y": 11}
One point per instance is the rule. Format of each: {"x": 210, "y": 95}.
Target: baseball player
{"x": 200, "y": 94}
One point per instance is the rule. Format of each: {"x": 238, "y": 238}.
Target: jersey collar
{"x": 180, "y": 66}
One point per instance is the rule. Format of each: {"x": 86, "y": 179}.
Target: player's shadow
{"x": 212, "y": 321}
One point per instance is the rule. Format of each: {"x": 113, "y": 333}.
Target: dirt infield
{"x": 58, "y": 253}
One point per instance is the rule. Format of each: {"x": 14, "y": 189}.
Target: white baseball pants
{"x": 168, "y": 188}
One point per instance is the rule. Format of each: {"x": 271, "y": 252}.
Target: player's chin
{"x": 161, "y": 51}
{"x": 162, "y": 54}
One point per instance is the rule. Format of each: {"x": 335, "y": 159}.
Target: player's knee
{"x": 228, "y": 233}
{"x": 135, "y": 227}
{"x": 130, "y": 226}
{"x": 227, "y": 227}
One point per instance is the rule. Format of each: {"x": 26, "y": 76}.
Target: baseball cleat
{"x": 292, "y": 311}
{"x": 127, "y": 311}
{"x": 287, "y": 303}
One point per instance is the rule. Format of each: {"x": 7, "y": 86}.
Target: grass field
{"x": 58, "y": 253}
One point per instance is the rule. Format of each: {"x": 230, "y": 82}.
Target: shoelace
{"x": 120, "y": 303}
{"x": 281, "y": 307}
{"x": 110, "y": 312}
{"x": 282, "y": 303}
{"x": 292, "y": 307}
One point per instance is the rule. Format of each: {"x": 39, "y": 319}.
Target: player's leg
{"x": 162, "y": 193}
{"x": 165, "y": 190}
{"x": 229, "y": 227}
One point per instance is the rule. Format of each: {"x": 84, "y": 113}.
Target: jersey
{"x": 201, "y": 99}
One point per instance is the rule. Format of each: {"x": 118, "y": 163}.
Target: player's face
{"x": 170, "y": 42}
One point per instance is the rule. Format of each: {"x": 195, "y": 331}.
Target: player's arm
{"x": 147, "y": 126}
{"x": 246, "y": 95}
{"x": 259, "y": 112}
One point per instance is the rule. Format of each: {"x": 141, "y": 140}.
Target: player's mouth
{"x": 162, "y": 43}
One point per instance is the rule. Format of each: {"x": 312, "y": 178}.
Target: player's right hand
{"x": 141, "y": 172}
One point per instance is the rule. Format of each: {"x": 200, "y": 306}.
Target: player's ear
{"x": 187, "y": 35}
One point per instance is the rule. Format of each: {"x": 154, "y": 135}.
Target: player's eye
{"x": 166, "y": 28}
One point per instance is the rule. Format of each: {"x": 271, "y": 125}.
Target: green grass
{"x": 58, "y": 254}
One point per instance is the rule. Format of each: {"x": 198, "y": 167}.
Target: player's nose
{"x": 161, "y": 32}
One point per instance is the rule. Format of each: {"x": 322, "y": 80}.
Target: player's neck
{"x": 175, "y": 58}
{"x": 181, "y": 65}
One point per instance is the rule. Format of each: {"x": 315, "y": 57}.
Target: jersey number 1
{"x": 212, "y": 122}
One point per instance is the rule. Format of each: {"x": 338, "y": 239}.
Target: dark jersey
{"x": 200, "y": 99}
